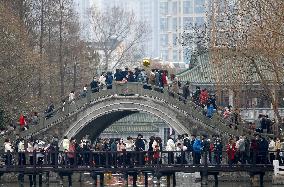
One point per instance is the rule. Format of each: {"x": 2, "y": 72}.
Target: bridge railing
{"x": 135, "y": 89}
{"x": 128, "y": 159}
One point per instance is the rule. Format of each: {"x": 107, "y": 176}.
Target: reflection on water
{"x": 89, "y": 184}
{"x": 183, "y": 180}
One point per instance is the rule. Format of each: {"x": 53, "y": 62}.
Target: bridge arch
{"x": 88, "y": 120}
{"x": 83, "y": 114}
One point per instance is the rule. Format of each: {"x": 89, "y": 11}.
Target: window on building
{"x": 186, "y": 55}
{"x": 199, "y": 21}
{"x": 174, "y": 24}
{"x": 175, "y": 40}
{"x": 164, "y": 54}
{"x": 187, "y": 22}
{"x": 174, "y": 8}
{"x": 164, "y": 8}
{"x": 164, "y": 40}
{"x": 199, "y": 6}
{"x": 175, "y": 56}
{"x": 187, "y": 7}
{"x": 163, "y": 24}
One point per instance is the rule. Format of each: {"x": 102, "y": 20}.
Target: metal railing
{"x": 88, "y": 160}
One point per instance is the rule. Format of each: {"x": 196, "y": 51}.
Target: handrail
{"x": 130, "y": 89}
{"x": 108, "y": 159}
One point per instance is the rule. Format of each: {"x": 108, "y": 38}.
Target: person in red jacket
{"x": 164, "y": 79}
{"x": 231, "y": 151}
{"x": 203, "y": 98}
{"x": 22, "y": 122}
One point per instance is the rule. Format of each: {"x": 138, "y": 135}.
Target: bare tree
{"x": 247, "y": 42}
{"x": 117, "y": 34}
{"x": 17, "y": 63}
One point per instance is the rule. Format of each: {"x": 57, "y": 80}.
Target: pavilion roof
{"x": 233, "y": 71}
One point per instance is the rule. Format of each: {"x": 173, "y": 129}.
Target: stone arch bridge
{"x": 97, "y": 111}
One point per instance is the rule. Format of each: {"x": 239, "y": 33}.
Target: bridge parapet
{"x": 136, "y": 90}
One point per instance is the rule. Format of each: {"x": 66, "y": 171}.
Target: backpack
{"x": 197, "y": 146}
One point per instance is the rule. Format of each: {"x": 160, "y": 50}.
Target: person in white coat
{"x": 170, "y": 147}
{"x": 129, "y": 146}
{"x": 271, "y": 149}
{"x": 72, "y": 97}
{"x": 8, "y": 150}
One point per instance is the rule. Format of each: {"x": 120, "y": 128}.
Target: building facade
{"x": 249, "y": 98}
{"x": 175, "y": 18}
{"x": 139, "y": 123}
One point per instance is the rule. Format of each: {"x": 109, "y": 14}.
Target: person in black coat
{"x": 140, "y": 147}
{"x": 94, "y": 85}
{"x": 263, "y": 150}
{"x": 118, "y": 76}
{"x": 185, "y": 91}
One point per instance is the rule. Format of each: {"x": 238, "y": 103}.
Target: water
{"x": 221, "y": 184}
{"x": 183, "y": 180}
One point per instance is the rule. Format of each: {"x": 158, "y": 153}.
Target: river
{"x": 183, "y": 180}
{"x": 221, "y": 184}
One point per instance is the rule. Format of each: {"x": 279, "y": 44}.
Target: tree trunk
{"x": 62, "y": 91}
{"x": 105, "y": 68}
{"x": 49, "y": 59}
{"x": 272, "y": 96}
{"x": 41, "y": 50}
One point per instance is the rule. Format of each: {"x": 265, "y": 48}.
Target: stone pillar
{"x": 126, "y": 179}
{"x": 47, "y": 179}
{"x": 40, "y": 180}
{"x": 216, "y": 179}
{"x": 204, "y": 178}
{"x": 174, "y": 179}
{"x": 158, "y": 180}
{"x": 146, "y": 179}
{"x": 261, "y": 176}
{"x": 102, "y": 177}
{"x": 134, "y": 179}
{"x": 168, "y": 181}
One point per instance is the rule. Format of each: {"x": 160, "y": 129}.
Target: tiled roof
{"x": 137, "y": 128}
{"x": 233, "y": 71}
{"x": 140, "y": 117}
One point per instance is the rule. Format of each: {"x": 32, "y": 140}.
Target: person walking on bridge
{"x": 231, "y": 151}
{"x": 22, "y": 122}
{"x": 140, "y": 147}
{"x": 94, "y": 85}
{"x": 170, "y": 148}
{"x": 196, "y": 151}
{"x": 8, "y": 149}
{"x": 185, "y": 91}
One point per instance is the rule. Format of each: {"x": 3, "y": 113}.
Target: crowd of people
{"x": 160, "y": 79}
{"x": 185, "y": 149}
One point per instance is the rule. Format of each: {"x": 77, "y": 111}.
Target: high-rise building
{"x": 145, "y": 11}
{"x": 175, "y": 16}
{"x": 149, "y": 13}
